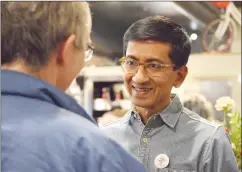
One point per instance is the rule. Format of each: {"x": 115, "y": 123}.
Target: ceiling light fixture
{"x": 193, "y": 36}
{"x": 193, "y": 25}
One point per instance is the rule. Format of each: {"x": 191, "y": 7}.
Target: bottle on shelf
{"x": 118, "y": 98}
{"x": 103, "y": 103}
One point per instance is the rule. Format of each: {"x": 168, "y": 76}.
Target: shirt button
{"x": 145, "y": 139}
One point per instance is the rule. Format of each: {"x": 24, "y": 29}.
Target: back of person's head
{"x": 30, "y": 31}
{"x": 159, "y": 28}
{"x": 200, "y": 105}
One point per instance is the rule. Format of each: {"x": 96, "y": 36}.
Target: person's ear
{"x": 66, "y": 50}
{"x": 181, "y": 74}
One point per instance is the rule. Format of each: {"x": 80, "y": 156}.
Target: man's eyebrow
{"x": 132, "y": 57}
{"x": 151, "y": 59}
{"x": 155, "y": 60}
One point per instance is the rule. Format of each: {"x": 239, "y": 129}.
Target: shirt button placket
{"x": 144, "y": 139}
{"x": 144, "y": 147}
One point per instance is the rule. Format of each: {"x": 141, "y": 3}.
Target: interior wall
{"x": 225, "y": 67}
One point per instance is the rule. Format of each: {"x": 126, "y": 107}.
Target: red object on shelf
{"x": 220, "y": 4}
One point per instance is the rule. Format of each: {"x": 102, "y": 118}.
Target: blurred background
{"x": 99, "y": 88}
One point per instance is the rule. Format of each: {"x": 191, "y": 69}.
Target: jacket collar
{"x": 20, "y": 84}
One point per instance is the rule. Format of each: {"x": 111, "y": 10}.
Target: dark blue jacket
{"x": 45, "y": 130}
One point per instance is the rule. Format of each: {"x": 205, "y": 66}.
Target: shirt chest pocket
{"x": 173, "y": 170}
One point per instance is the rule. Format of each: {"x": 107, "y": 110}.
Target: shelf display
{"x": 104, "y": 91}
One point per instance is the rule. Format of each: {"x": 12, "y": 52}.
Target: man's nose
{"x": 140, "y": 76}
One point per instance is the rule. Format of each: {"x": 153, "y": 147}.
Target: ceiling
{"x": 111, "y": 19}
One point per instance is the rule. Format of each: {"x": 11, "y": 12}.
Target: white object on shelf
{"x": 101, "y": 105}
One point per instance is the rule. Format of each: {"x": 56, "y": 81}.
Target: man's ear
{"x": 66, "y": 49}
{"x": 181, "y": 74}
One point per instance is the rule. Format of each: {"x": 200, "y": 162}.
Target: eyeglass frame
{"x": 124, "y": 58}
{"x": 89, "y": 52}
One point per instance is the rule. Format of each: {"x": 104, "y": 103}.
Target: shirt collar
{"x": 169, "y": 115}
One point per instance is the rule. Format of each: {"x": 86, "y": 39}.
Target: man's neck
{"x": 42, "y": 74}
{"x": 146, "y": 113}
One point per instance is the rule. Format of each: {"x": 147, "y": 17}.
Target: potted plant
{"x": 232, "y": 124}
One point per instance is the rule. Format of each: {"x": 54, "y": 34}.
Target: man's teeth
{"x": 142, "y": 89}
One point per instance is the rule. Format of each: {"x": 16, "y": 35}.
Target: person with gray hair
{"x": 200, "y": 105}
{"x": 43, "y": 48}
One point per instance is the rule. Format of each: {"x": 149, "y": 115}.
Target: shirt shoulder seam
{"x": 209, "y": 143}
{"x": 202, "y": 121}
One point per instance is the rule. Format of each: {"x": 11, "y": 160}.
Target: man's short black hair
{"x": 159, "y": 28}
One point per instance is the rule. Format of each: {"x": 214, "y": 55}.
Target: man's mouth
{"x": 141, "y": 90}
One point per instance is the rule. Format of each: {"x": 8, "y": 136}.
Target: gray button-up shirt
{"x": 192, "y": 143}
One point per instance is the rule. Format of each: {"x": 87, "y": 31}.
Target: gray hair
{"x": 200, "y": 105}
{"x": 30, "y": 31}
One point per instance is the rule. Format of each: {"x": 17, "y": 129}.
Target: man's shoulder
{"x": 113, "y": 155}
{"x": 75, "y": 127}
{"x": 214, "y": 138}
{"x": 48, "y": 121}
{"x": 197, "y": 122}
{"x": 80, "y": 139}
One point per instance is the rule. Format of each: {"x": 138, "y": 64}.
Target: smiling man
{"x": 158, "y": 130}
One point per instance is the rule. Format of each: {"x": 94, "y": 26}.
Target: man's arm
{"x": 220, "y": 156}
{"x": 122, "y": 160}
{"x": 105, "y": 155}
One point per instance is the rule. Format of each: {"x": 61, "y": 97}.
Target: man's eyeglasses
{"x": 153, "y": 69}
{"x": 89, "y": 53}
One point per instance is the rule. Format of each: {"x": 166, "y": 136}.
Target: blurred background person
{"x": 200, "y": 105}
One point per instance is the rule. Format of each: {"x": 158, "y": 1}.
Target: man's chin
{"x": 141, "y": 103}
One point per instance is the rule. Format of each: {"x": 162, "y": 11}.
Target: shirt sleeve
{"x": 220, "y": 156}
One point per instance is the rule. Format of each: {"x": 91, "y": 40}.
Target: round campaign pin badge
{"x": 161, "y": 161}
